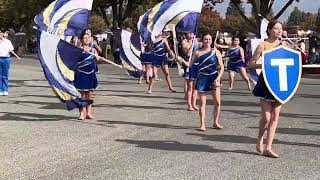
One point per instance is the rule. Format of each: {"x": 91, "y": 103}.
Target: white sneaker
{"x": 5, "y": 93}
{"x": 1, "y": 93}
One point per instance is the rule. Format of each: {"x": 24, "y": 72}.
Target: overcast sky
{"x": 304, "y": 5}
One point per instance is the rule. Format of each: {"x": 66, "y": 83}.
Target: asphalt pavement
{"x": 150, "y": 136}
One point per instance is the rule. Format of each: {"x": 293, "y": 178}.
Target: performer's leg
{"x": 273, "y": 124}
{"x": 186, "y": 89}
{"x": 140, "y": 80}
{"x": 82, "y": 110}
{"x": 189, "y": 95}
{"x": 148, "y": 73}
{"x": 216, "y": 96}
{"x": 165, "y": 70}
{"x": 231, "y": 80}
{"x": 155, "y": 72}
{"x": 245, "y": 77}
{"x": 194, "y": 96}
{"x": 264, "y": 122}
{"x": 202, "y": 112}
{"x": 89, "y": 107}
{"x": 152, "y": 81}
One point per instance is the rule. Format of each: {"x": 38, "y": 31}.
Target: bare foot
{"x": 202, "y": 129}
{"x": 81, "y": 117}
{"x": 195, "y": 108}
{"x": 259, "y": 148}
{"x": 89, "y": 117}
{"x": 217, "y": 126}
{"x": 149, "y": 92}
{"x": 191, "y": 109}
{"x": 270, "y": 153}
{"x": 172, "y": 90}
{"x": 230, "y": 88}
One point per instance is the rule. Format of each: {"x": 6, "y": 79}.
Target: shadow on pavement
{"x": 33, "y": 117}
{"x": 223, "y": 103}
{"x": 148, "y": 96}
{"x": 177, "y": 146}
{"x": 245, "y": 140}
{"x": 314, "y": 123}
{"x": 295, "y": 131}
{"x": 44, "y": 105}
{"x": 257, "y": 114}
{"x": 154, "y": 125}
{"x": 137, "y": 107}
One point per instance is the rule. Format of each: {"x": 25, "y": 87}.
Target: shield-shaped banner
{"x": 281, "y": 69}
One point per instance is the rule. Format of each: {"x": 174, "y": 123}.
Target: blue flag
{"x": 130, "y": 53}
{"x": 65, "y": 17}
{"x": 181, "y": 14}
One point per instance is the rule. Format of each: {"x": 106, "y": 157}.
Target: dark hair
{"x": 205, "y": 34}
{"x": 83, "y": 34}
{"x": 234, "y": 37}
{"x": 271, "y": 24}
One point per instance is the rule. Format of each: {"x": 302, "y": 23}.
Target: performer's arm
{"x": 171, "y": 53}
{"x": 97, "y": 47}
{"x": 242, "y": 54}
{"x": 253, "y": 62}
{"x": 96, "y": 54}
{"x": 221, "y": 69}
{"x": 192, "y": 61}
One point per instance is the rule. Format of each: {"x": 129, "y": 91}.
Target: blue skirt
{"x": 261, "y": 90}
{"x": 85, "y": 77}
{"x": 158, "y": 60}
{"x": 205, "y": 83}
{"x": 236, "y": 66}
{"x": 192, "y": 73}
{"x": 146, "y": 58}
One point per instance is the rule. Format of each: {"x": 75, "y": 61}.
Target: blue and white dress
{"x": 85, "y": 78}
{"x": 159, "y": 55}
{"x": 192, "y": 73}
{"x": 261, "y": 90}
{"x": 235, "y": 62}
{"x": 207, "y": 72}
{"x": 146, "y": 57}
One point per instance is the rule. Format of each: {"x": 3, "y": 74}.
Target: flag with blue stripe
{"x": 181, "y": 14}
{"x": 65, "y": 17}
{"x": 130, "y": 52}
{"x": 59, "y": 60}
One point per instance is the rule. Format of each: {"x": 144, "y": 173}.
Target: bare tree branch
{"x": 283, "y": 9}
{"x": 251, "y": 24}
{"x": 270, "y": 5}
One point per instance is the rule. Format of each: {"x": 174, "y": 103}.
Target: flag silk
{"x": 130, "y": 52}
{"x": 155, "y": 20}
{"x": 263, "y": 28}
{"x": 65, "y": 17}
{"x": 59, "y": 59}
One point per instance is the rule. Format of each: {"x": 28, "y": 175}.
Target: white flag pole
{"x": 175, "y": 46}
{"x": 106, "y": 60}
{"x": 15, "y": 55}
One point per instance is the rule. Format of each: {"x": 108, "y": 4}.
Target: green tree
{"x": 260, "y": 8}
{"x": 318, "y": 18}
{"x": 97, "y": 24}
{"x": 232, "y": 9}
{"x": 296, "y": 17}
{"x": 210, "y": 21}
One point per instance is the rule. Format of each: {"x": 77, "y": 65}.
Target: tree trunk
{"x": 120, "y": 8}
{"x": 114, "y": 14}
